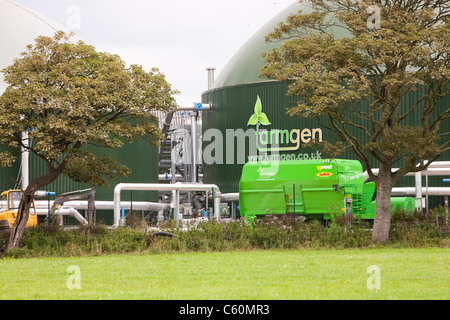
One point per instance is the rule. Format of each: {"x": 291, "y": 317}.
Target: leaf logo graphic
{"x": 258, "y": 116}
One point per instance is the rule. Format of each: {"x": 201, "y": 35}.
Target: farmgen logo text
{"x": 259, "y": 142}
{"x": 279, "y": 140}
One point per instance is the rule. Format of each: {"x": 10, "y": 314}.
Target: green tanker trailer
{"x": 317, "y": 189}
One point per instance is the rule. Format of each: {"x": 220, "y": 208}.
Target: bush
{"x": 270, "y": 232}
{"x": 420, "y": 229}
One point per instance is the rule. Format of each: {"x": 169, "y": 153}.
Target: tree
{"x": 68, "y": 96}
{"x": 395, "y": 51}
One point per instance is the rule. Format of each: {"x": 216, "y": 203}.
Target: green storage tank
{"x": 313, "y": 188}
{"x": 233, "y": 95}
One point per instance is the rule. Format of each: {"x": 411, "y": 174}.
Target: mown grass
{"x": 275, "y": 258}
{"x": 253, "y": 275}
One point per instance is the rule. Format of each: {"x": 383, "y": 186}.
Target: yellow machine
{"x": 9, "y": 204}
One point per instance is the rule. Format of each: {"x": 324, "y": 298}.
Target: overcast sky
{"x": 180, "y": 37}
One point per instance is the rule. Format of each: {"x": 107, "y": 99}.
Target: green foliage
{"x": 420, "y": 229}
{"x": 67, "y": 96}
{"x": 272, "y": 232}
{"x": 368, "y": 82}
{"x": 334, "y": 60}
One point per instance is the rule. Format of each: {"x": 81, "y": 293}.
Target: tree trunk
{"x": 382, "y": 221}
{"x": 23, "y": 212}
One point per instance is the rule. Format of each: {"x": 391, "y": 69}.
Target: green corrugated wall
{"x": 9, "y": 175}
{"x": 140, "y": 157}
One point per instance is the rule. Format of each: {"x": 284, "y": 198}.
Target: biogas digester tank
{"x": 230, "y": 138}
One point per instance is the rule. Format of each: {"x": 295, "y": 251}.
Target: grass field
{"x": 253, "y": 275}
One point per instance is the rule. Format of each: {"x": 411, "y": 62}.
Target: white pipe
{"x": 194, "y": 147}
{"x": 418, "y": 193}
{"x": 427, "y": 188}
{"x": 106, "y": 205}
{"x": 193, "y": 106}
{"x": 25, "y": 160}
{"x": 164, "y": 187}
{"x": 74, "y": 213}
{"x": 434, "y": 171}
{"x": 440, "y": 164}
{"x": 43, "y": 212}
{"x": 168, "y": 177}
{"x": 69, "y": 208}
{"x": 178, "y": 177}
{"x": 230, "y": 197}
{"x": 175, "y": 204}
{"x": 65, "y": 211}
{"x": 432, "y": 191}
{"x": 210, "y": 77}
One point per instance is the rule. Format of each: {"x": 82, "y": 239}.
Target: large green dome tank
{"x": 244, "y": 66}
{"x": 233, "y": 96}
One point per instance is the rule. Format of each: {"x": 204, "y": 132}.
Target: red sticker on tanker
{"x": 324, "y": 174}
